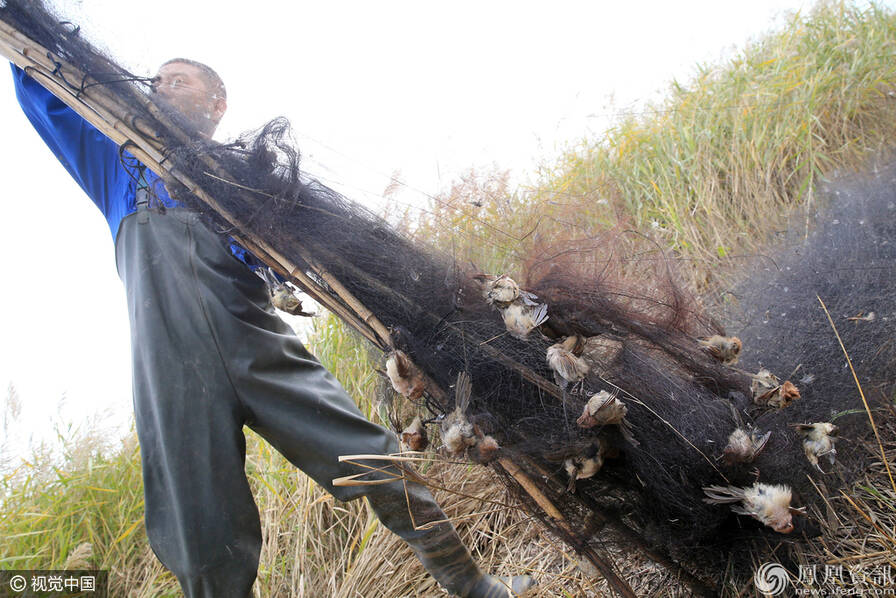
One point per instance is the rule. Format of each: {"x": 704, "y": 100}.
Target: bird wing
{"x": 462, "y": 391}
{"x": 570, "y": 343}
{"x": 528, "y": 298}
{"x": 742, "y": 510}
{"x": 540, "y": 315}
{"x": 717, "y": 495}
{"x": 804, "y": 429}
{"x": 716, "y": 352}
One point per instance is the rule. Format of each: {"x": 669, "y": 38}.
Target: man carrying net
{"x": 210, "y": 356}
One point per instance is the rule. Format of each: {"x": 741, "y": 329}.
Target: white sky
{"x": 428, "y": 89}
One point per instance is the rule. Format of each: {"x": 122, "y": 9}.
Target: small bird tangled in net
{"x": 626, "y": 405}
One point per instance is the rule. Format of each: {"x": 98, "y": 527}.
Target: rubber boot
{"x": 439, "y": 548}
{"x": 446, "y": 558}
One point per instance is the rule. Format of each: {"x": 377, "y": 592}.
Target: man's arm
{"x": 90, "y": 157}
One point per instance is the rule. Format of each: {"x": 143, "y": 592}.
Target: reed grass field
{"x": 711, "y": 174}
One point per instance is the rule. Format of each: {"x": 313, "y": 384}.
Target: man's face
{"x": 184, "y": 88}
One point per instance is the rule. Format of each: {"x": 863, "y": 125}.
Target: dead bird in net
{"x": 414, "y": 437}
{"x": 406, "y": 378}
{"x": 744, "y": 446}
{"x": 724, "y": 348}
{"x": 818, "y": 441}
{"x": 283, "y": 294}
{"x": 769, "y": 391}
{"x": 769, "y": 504}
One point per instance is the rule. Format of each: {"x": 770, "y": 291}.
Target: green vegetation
{"x": 709, "y": 172}
{"x": 725, "y": 155}
{"x": 51, "y": 507}
{"x": 714, "y": 168}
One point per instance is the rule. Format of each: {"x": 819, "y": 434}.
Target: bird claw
{"x": 627, "y": 433}
{"x": 268, "y": 276}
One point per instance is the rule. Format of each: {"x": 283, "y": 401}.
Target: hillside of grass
{"x": 710, "y": 172}
{"x": 712, "y": 169}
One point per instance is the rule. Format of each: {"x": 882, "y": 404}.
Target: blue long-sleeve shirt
{"x": 109, "y": 177}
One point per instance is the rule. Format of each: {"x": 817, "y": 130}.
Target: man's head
{"x": 194, "y": 90}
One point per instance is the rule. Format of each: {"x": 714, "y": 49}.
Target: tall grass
{"x": 712, "y": 169}
{"x": 52, "y": 505}
{"x": 710, "y": 172}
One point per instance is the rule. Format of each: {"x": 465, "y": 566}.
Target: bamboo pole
{"x": 535, "y": 492}
{"x": 33, "y": 57}
{"x": 285, "y": 268}
{"x": 617, "y": 584}
{"x": 365, "y": 314}
{"x": 696, "y": 584}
